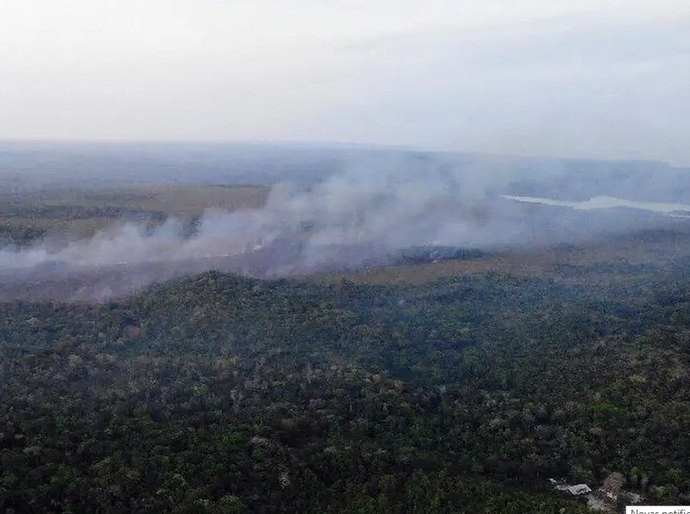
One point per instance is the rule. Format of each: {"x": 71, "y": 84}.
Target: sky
{"x": 576, "y": 78}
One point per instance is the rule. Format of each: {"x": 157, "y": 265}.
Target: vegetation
{"x": 27, "y": 216}
{"x": 224, "y": 394}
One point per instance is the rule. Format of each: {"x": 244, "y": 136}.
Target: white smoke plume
{"x": 355, "y": 219}
{"x": 385, "y": 211}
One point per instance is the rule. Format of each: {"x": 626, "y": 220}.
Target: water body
{"x": 609, "y": 202}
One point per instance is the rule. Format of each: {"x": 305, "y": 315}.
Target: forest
{"x": 348, "y": 257}
{"x": 217, "y": 393}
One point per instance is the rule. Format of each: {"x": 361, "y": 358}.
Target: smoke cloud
{"x": 351, "y": 220}
{"x": 383, "y": 211}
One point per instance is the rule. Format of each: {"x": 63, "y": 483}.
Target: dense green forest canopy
{"x": 216, "y": 393}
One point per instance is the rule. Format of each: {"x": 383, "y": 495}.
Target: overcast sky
{"x": 594, "y": 78}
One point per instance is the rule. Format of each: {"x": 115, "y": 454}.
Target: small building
{"x": 575, "y": 490}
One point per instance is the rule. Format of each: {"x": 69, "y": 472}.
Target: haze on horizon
{"x": 605, "y": 78}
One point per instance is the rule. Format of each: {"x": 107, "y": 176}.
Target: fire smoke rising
{"x": 350, "y": 220}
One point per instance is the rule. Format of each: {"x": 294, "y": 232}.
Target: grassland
{"x": 30, "y": 215}
{"x": 663, "y": 250}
